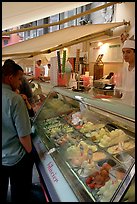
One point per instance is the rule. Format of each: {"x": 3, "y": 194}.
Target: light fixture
{"x": 100, "y": 44}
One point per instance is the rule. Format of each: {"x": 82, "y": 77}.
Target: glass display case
{"x": 85, "y": 148}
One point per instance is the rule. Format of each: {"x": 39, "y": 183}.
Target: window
{"x": 33, "y": 33}
{"x": 39, "y": 31}
{"x": 54, "y": 18}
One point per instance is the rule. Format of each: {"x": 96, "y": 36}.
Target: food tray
{"x": 115, "y": 148}
{"x": 125, "y": 159}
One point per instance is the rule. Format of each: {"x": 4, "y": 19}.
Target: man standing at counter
{"x": 128, "y": 73}
{"x": 17, "y": 161}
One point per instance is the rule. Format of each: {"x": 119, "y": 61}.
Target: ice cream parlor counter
{"x": 83, "y": 147}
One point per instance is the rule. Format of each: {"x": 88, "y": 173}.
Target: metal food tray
{"x": 111, "y": 127}
{"x": 124, "y": 159}
{"x": 124, "y": 150}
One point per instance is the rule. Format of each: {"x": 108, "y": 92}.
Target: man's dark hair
{"x": 39, "y": 61}
{"x": 110, "y": 75}
{"x": 9, "y": 61}
{"x": 10, "y": 68}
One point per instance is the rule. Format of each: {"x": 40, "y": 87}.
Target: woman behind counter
{"x": 111, "y": 78}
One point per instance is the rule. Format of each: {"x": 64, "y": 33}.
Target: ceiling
{"x": 19, "y": 13}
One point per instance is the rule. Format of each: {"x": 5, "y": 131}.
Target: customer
{"x": 24, "y": 86}
{"x": 17, "y": 160}
{"x": 128, "y": 73}
{"x": 29, "y": 107}
{"x": 26, "y": 89}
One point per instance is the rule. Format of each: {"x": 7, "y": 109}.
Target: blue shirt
{"x": 15, "y": 124}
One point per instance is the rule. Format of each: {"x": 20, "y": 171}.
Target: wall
{"x": 108, "y": 67}
{"x": 124, "y": 11}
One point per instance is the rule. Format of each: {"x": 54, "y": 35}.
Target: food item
{"x": 98, "y": 156}
{"x": 104, "y": 173}
{"x": 86, "y": 169}
{"x": 78, "y": 155}
{"x": 95, "y": 174}
{"x": 72, "y": 152}
{"x": 76, "y": 162}
{"x": 89, "y": 126}
{"x": 76, "y": 118}
{"x": 96, "y": 182}
{"x": 106, "y": 166}
{"x": 86, "y": 147}
{"x": 126, "y": 146}
{"x": 92, "y": 147}
{"x": 114, "y": 137}
{"x": 98, "y": 135}
{"x": 120, "y": 173}
{"x": 99, "y": 126}
{"x": 89, "y": 179}
{"x": 84, "y": 144}
{"x": 99, "y": 178}
{"x": 92, "y": 185}
{"x": 105, "y": 194}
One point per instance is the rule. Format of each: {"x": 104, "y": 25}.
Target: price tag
{"x": 90, "y": 154}
{"x": 81, "y": 149}
{"x": 77, "y": 142}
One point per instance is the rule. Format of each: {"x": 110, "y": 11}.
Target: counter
{"x": 69, "y": 134}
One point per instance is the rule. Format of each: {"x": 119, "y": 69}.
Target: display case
{"x": 85, "y": 148}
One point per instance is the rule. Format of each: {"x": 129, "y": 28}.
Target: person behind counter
{"x": 39, "y": 70}
{"x": 68, "y": 70}
{"x": 111, "y": 78}
{"x": 17, "y": 159}
{"x": 49, "y": 66}
{"x": 128, "y": 73}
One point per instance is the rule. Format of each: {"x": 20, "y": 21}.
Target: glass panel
{"x": 92, "y": 152}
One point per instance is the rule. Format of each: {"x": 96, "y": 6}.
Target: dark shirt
{"x": 26, "y": 89}
{"x": 31, "y": 112}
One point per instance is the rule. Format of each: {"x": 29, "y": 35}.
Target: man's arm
{"x": 26, "y": 142}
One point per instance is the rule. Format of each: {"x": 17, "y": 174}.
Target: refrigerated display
{"x": 85, "y": 148}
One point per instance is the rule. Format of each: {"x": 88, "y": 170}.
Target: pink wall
{"x": 12, "y": 39}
